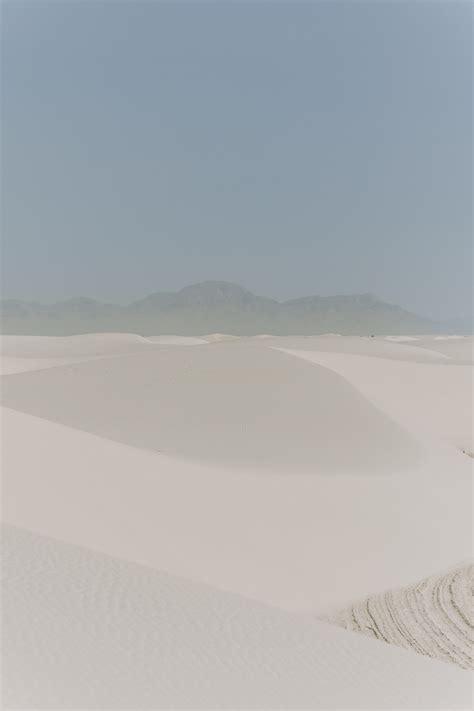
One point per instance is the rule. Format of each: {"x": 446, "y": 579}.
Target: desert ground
{"x": 238, "y": 523}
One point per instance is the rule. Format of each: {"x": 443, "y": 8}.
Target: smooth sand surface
{"x": 19, "y": 354}
{"x": 234, "y": 406}
{"x": 402, "y": 339}
{"x": 63, "y": 346}
{"x": 177, "y": 340}
{"x": 431, "y": 400}
{"x": 218, "y": 337}
{"x": 360, "y": 345}
{"x": 301, "y": 542}
{"x": 302, "y": 480}
{"x": 97, "y": 632}
{"x": 459, "y": 348}
{"x": 11, "y": 364}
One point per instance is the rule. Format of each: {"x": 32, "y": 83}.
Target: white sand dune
{"x": 19, "y": 354}
{"x": 218, "y": 337}
{"x": 63, "y": 346}
{"x": 177, "y": 340}
{"x": 430, "y": 400}
{"x": 401, "y": 339}
{"x": 300, "y": 542}
{"x": 426, "y": 348}
{"x": 360, "y": 345}
{"x": 97, "y": 632}
{"x": 302, "y": 485}
{"x": 10, "y": 365}
{"x": 448, "y": 338}
{"x": 460, "y": 349}
{"x": 228, "y": 405}
{"x": 433, "y": 617}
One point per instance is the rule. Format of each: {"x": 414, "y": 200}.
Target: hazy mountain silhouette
{"x": 215, "y": 306}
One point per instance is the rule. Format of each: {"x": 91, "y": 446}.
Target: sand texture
{"x": 181, "y": 513}
{"x": 433, "y": 617}
{"x": 97, "y": 632}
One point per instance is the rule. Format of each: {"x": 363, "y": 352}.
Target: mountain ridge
{"x": 215, "y": 306}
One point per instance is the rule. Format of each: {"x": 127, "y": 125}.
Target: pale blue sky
{"x": 292, "y": 147}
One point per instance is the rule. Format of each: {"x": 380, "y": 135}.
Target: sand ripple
{"x": 433, "y": 617}
{"x": 87, "y": 631}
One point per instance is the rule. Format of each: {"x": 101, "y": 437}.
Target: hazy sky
{"x": 292, "y": 147}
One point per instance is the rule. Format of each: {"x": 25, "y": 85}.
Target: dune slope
{"x": 98, "y": 632}
{"x": 431, "y": 400}
{"x": 176, "y": 493}
{"x": 301, "y": 542}
{"x": 224, "y": 404}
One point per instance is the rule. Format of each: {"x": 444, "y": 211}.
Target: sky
{"x": 294, "y": 148}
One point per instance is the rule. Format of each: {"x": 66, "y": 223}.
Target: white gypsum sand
{"x": 303, "y": 515}
{"x": 229, "y": 405}
{"x": 433, "y": 617}
{"x": 431, "y": 400}
{"x": 238, "y": 466}
{"x": 87, "y": 631}
{"x": 187, "y": 518}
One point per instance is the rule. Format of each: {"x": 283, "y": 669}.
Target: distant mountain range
{"x": 215, "y": 306}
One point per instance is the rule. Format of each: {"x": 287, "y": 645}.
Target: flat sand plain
{"x": 178, "y": 510}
